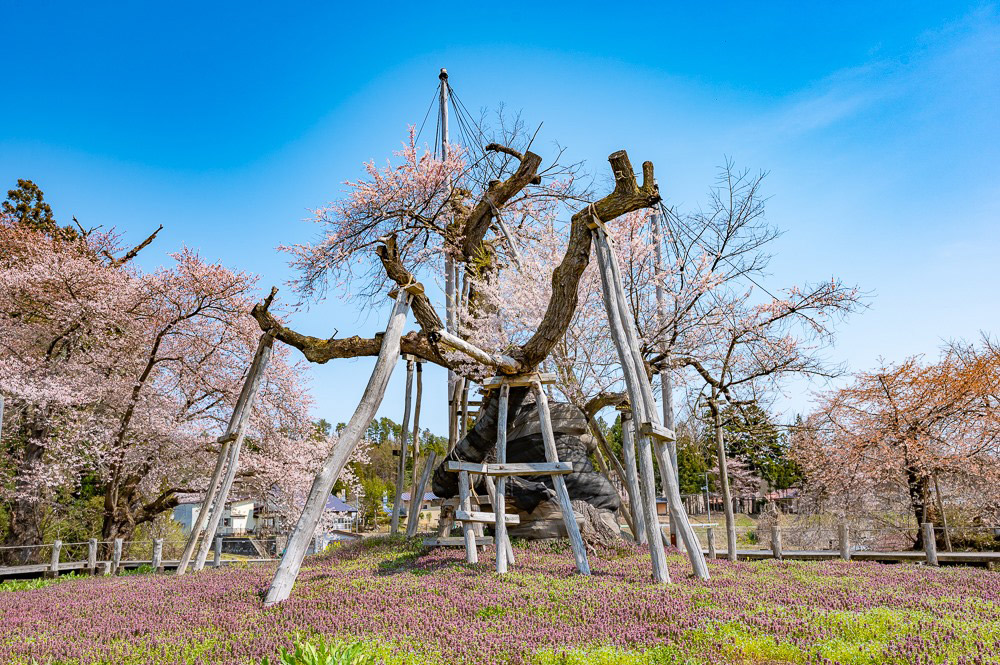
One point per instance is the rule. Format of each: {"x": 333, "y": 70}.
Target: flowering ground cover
{"x": 407, "y": 605}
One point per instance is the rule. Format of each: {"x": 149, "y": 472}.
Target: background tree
{"x": 907, "y": 424}
{"x": 25, "y": 205}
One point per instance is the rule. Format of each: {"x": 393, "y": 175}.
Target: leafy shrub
{"x": 321, "y": 652}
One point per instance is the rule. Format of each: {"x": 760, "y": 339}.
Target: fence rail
{"x": 818, "y": 542}
{"x": 57, "y": 557}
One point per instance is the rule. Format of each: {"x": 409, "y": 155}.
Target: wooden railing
{"x": 57, "y": 557}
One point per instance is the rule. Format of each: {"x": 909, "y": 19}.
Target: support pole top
{"x": 443, "y": 75}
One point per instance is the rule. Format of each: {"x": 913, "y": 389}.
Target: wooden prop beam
{"x": 643, "y": 397}
{"x": 637, "y": 507}
{"x": 234, "y": 431}
{"x": 404, "y": 430}
{"x": 504, "y": 554}
{"x": 467, "y": 517}
{"x": 551, "y": 455}
{"x": 500, "y": 362}
{"x": 248, "y": 394}
{"x": 417, "y": 495}
{"x": 291, "y": 561}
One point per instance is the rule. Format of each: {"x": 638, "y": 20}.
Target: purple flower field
{"x": 407, "y": 606}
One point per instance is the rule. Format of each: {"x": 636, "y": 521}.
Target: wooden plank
{"x": 513, "y": 469}
{"x": 657, "y": 431}
{"x": 519, "y": 380}
{"x": 467, "y": 467}
{"x": 415, "y": 289}
{"x": 291, "y": 562}
{"x": 530, "y": 469}
{"x": 473, "y": 516}
{"x": 456, "y": 542}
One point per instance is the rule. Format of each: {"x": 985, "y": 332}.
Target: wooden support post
{"x": 552, "y": 455}
{"x": 843, "y": 535}
{"x": 643, "y": 453}
{"x": 158, "y": 555}
{"x": 930, "y": 544}
{"x": 211, "y": 511}
{"x": 710, "y": 533}
{"x": 417, "y": 495}
{"x": 288, "y": 569}
{"x": 217, "y": 552}
{"x": 116, "y": 556}
{"x": 776, "y": 541}
{"x": 643, "y": 404}
{"x": 636, "y": 507}
{"x": 250, "y": 388}
{"x": 92, "y": 556}
{"x": 106, "y": 568}
{"x": 505, "y": 553}
{"x": 397, "y": 499}
{"x": 54, "y": 561}
{"x": 504, "y": 545}
{"x": 468, "y": 532}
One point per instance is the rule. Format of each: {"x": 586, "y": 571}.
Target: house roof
{"x": 428, "y": 496}
{"x": 337, "y": 504}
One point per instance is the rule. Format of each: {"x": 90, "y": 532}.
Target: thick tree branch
{"x": 627, "y": 197}
{"x": 423, "y": 311}
{"x": 478, "y": 221}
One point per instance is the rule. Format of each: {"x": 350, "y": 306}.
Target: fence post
{"x": 92, "y": 556}
{"x": 54, "y": 564}
{"x": 845, "y": 543}
{"x": 158, "y": 555}
{"x": 930, "y": 545}
{"x": 116, "y": 556}
{"x": 218, "y": 552}
{"x": 105, "y": 568}
{"x": 710, "y": 532}
{"x": 776, "y": 541}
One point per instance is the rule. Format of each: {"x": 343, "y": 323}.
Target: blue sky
{"x": 227, "y": 122}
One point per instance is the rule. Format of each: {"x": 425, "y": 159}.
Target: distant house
{"x": 237, "y": 519}
{"x": 430, "y": 500}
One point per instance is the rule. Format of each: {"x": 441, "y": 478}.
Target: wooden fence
{"x": 51, "y": 559}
